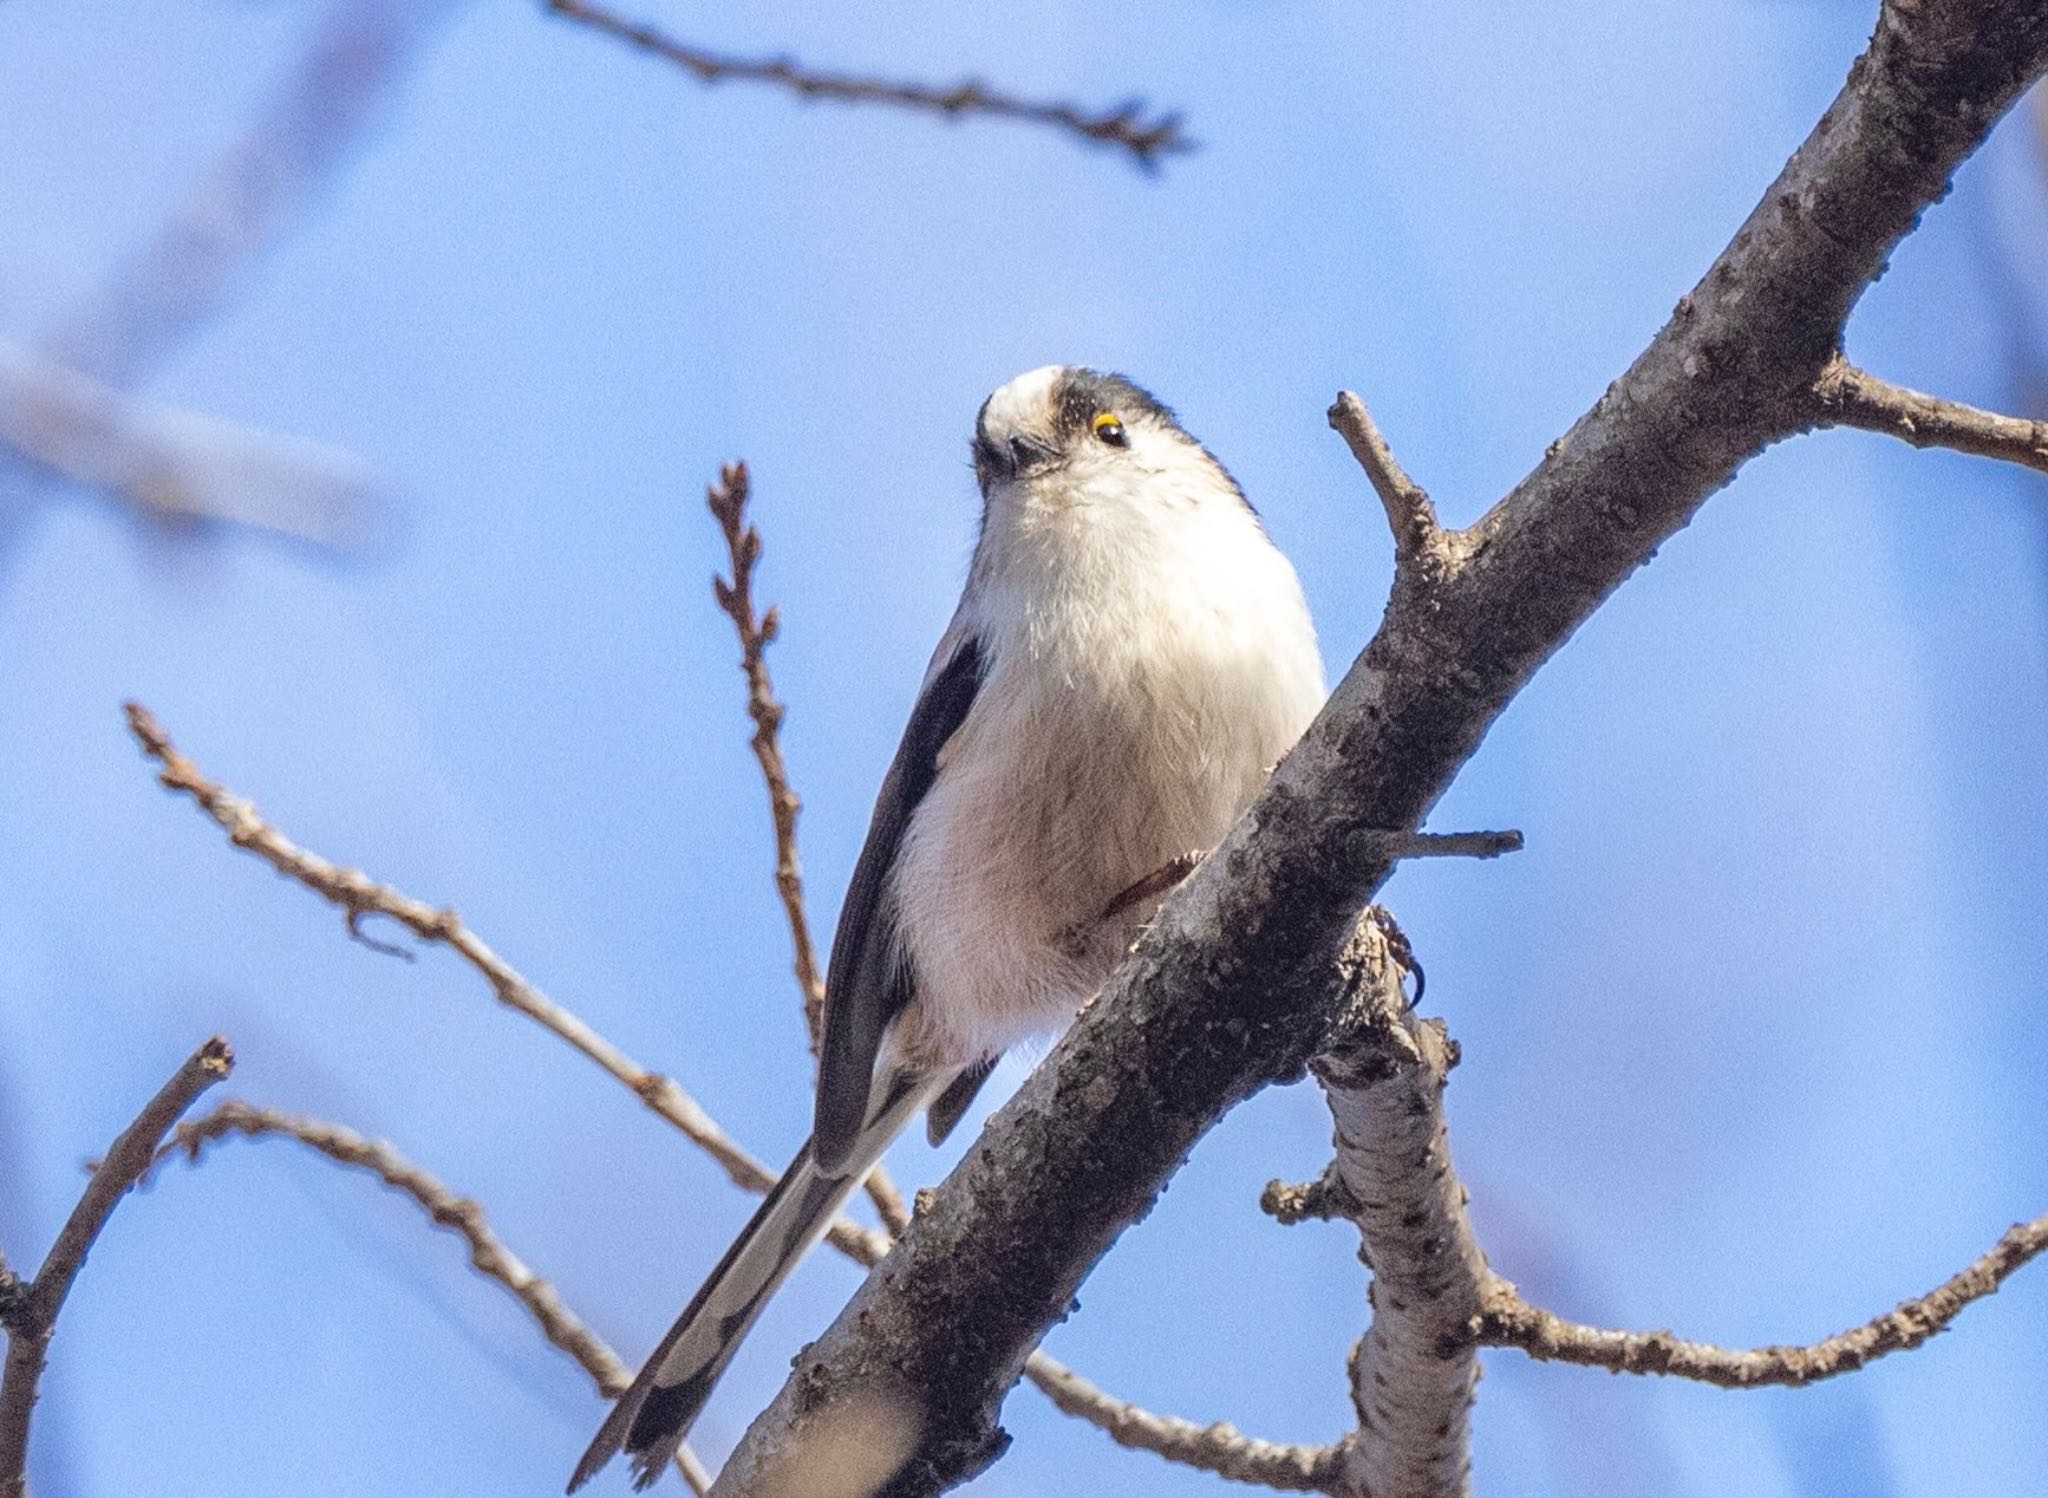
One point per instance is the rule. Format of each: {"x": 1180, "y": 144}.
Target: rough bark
{"x": 1238, "y": 981}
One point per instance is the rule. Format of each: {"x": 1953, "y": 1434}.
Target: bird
{"x": 1130, "y": 658}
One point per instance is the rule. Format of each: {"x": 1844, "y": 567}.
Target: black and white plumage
{"x": 1130, "y": 657}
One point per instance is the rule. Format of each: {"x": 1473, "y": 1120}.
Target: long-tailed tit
{"x": 1129, "y": 659}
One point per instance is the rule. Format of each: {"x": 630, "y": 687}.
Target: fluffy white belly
{"x": 1087, "y": 763}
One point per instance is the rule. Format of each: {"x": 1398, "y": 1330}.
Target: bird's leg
{"x": 1399, "y": 949}
{"x": 1075, "y": 939}
{"x": 1158, "y": 882}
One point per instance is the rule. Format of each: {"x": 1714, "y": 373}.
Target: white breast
{"x": 1148, "y": 658}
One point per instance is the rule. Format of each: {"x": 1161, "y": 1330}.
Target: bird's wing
{"x": 867, "y": 984}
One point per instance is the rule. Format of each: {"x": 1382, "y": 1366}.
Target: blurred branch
{"x": 727, "y": 500}
{"x": 458, "y": 1214}
{"x": 1845, "y": 396}
{"x": 359, "y": 896}
{"x": 29, "y": 1310}
{"x": 1238, "y": 979}
{"x": 1124, "y": 127}
{"x": 1506, "y": 1320}
{"x": 180, "y": 467}
{"x": 250, "y": 197}
{"x": 63, "y": 406}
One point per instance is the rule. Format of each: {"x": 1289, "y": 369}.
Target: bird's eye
{"x": 1110, "y": 428}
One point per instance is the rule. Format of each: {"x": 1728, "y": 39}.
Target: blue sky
{"x": 1753, "y": 1030}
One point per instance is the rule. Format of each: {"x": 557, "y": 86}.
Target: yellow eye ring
{"x": 1110, "y": 428}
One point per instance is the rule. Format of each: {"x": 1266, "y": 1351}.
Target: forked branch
{"x": 29, "y": 1310}
{"x": 1211, "y": 1448}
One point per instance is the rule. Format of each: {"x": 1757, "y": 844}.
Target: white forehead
{"x": 1025, "y": 402}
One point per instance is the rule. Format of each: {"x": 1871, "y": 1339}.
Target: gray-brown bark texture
{"x": 1238, "y": 981}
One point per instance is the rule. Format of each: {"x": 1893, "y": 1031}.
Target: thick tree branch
{"x": 1236, "y": 983}
{"x": 1506, "y": 1320}
{"x": 31, "y": 1309}
{"x": 1845, "y": 396}
{"x": 1125, "y": 127}
{"x": 358, "y": 896}
{"x": 488, "y": 1254}
{"x": 1413, "y": 1373}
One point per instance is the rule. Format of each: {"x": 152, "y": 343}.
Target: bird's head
{"x": 1078, "y": 430}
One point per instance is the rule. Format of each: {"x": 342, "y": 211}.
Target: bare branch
{"x": 31, "y": 1310}
{"x": 458, "y": 1214}
{"x": 1236, "y": 982}
{"x": 1506, "y": 1320}
{"x": 1845, "y": 396}
{"x": 727, "y": 500}
{"x": 1410, "y": 514}
{"x": 1412, "y": 1375}
{"x": 1406, "y": 845}
{"x": 178, "y": 466}
{"x": 1218, "y": 1448}
{"x": 358, "y": 896}
{"x": 1124, "y": 127}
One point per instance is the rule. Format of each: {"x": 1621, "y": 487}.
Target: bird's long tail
{"x": 652, "y": 1417}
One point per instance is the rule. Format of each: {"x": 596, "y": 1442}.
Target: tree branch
{"x": 727, "y": 500}
{"x": 359, "y": 896}
{"x": 1845, "y": 396}
{"x": 1506, "y": 1320}
{"x": 1236, "y": 982}
{"x": 488, "y": 1254}
{"x": 1124, "y": 127}
{"x": 31, "y": 1309}
{"x": 1413, "y": 1373}
{"x": 178, "y": 466}
{"x": 1410, "y": 515}
{"x": 1218, "y": 1448}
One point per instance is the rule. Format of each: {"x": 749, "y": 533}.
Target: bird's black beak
{"x": 1008, "y": 460}
{"x": 999, "y": 462}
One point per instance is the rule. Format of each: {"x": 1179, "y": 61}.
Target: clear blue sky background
{"x": 1753, "y": 1031}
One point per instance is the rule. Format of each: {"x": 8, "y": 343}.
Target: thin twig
{"x": 1123, "y": 127}
{"x": 727, "y": 500}
{"x": 1845, "y": 396}
{"x": 1506, "y": 1320}
{"x": 1410, "y": 514}
{"x": 458, "y": 1214}
{"x": 359, "y": 896}
{"x": 1219, "y": 1448}
{"x": 32, "y": 1309}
